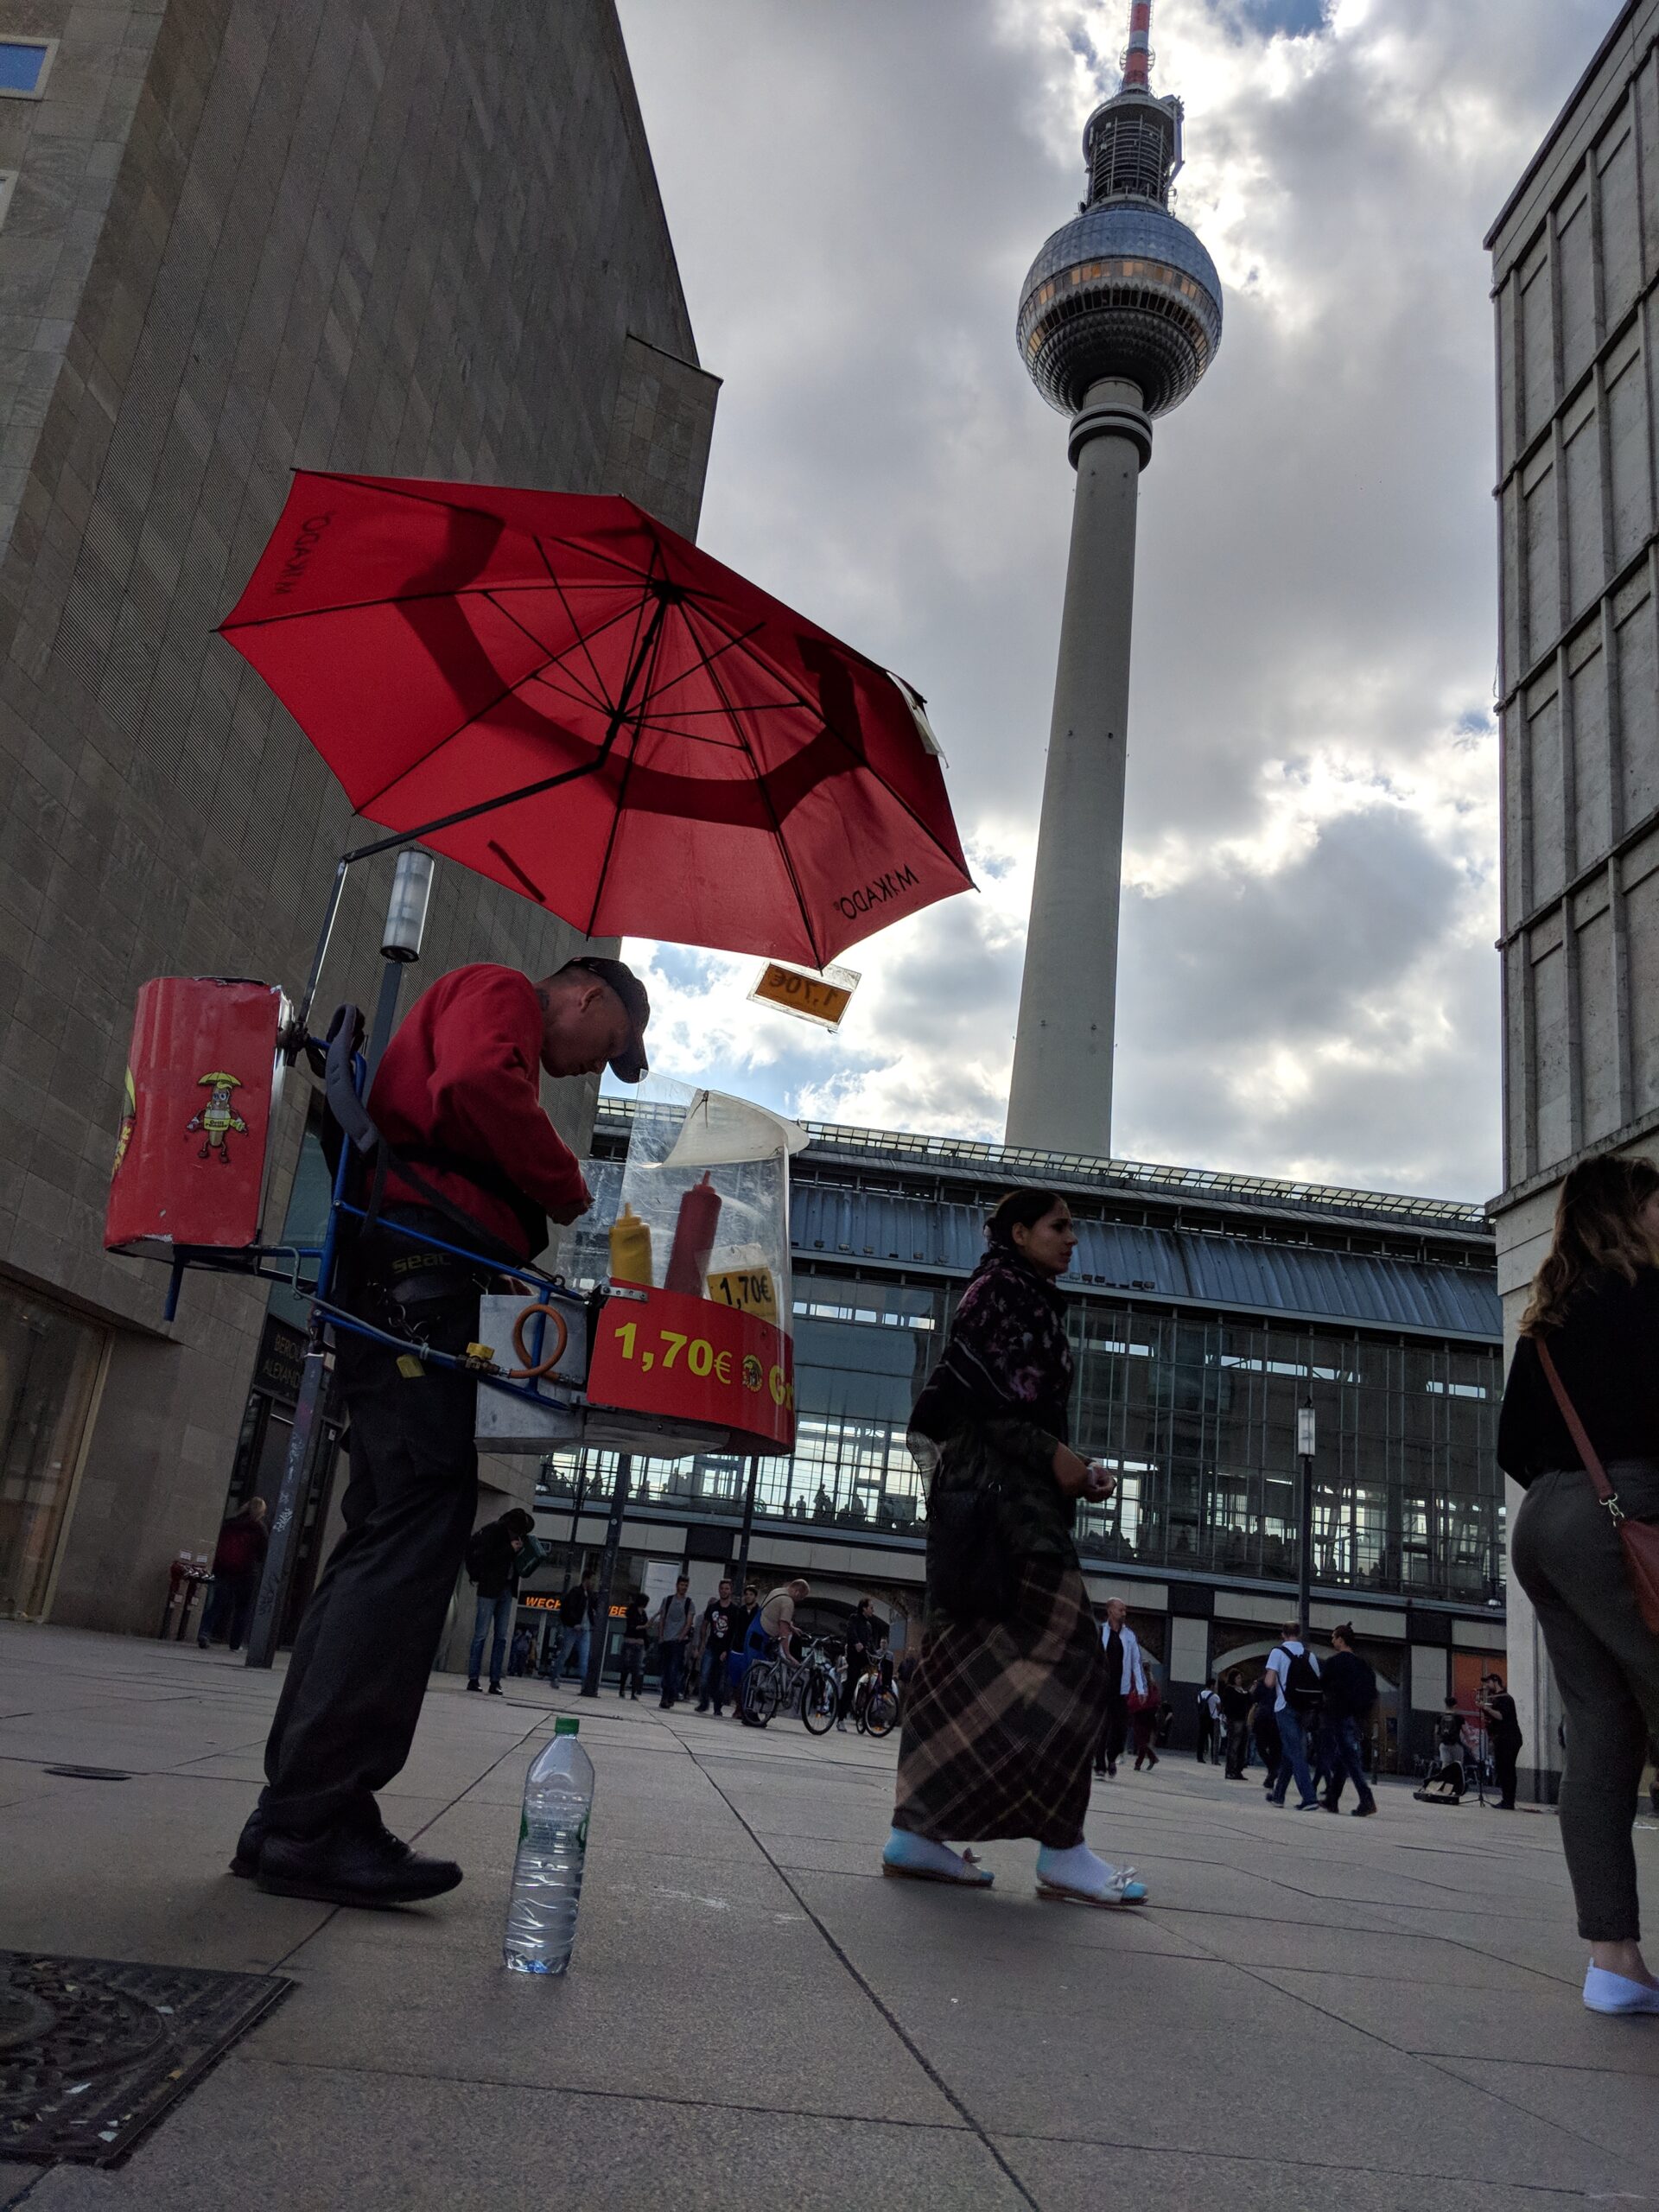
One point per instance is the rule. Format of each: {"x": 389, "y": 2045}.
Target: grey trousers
{"x": 1568, "y": 1559}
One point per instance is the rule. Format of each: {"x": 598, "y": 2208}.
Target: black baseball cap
{"x": 630, "y": 1064}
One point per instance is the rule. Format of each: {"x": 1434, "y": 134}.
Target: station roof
{"x": 1191, "y": 1238}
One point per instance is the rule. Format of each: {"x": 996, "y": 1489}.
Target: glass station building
{"x": 1205, "y": 1310}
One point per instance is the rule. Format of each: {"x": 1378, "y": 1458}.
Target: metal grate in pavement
{"x": 93, "y": 2051}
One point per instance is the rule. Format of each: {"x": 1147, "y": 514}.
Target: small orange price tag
{"x": 822, "y": 998}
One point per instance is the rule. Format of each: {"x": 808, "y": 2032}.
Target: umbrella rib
{"x": 638, "y": 614}
{"x": 622, "y": 786}
{"x": 859, "y": 759}
{"x": 594, "y": 699}
{"x": 387, "y": 598}
{"x": 765, "y": 800}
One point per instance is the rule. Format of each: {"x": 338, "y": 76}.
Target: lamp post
{"x": 400, "y": 941}
{"x": 1305, "y": 1539}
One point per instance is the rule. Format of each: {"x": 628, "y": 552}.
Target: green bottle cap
{"x": 566, "y": 1724}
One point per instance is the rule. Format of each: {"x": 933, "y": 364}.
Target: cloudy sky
{"x": 855, "y": 188}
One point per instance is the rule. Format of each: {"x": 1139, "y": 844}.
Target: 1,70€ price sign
{"x": 694, "y": 1359}
{"x": 701, "y": 1359}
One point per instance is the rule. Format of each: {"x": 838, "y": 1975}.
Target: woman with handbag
{"x": 1009, "y": 1693}
{"x": 1580, "y": 1430}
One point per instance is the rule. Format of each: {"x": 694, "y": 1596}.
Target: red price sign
{"x": 692, "y": 1359}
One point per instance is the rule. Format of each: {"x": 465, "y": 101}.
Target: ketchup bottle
{"x": 693, "y": 1239}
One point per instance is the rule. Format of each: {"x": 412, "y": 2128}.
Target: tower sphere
{"x": 1124, "y": 289}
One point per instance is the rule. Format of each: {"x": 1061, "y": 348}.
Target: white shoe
{"x": 1605, "y": 1992}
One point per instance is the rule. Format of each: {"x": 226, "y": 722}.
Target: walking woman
{"x": 1593, "y": 1320}
{"x": 1143, "y": 1720}
{"x": 1008, "y": 1697}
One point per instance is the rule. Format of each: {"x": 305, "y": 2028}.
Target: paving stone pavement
{"x": 1383, "y": 2015}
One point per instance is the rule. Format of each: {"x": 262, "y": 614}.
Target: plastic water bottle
{"x": 552, "y": 1844}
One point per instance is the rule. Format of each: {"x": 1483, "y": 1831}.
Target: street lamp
{"x": 400, "y": 940}
{"x": 1305, "y": 1544}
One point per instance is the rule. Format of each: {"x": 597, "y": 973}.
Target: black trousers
{"x": 1505, "y": 1759}
{"x": 858, "y": 1665}
{"x": 1114, "y": 1733}
{"x": 367, "y": 1640}
{"x": 1206, "y": 1737}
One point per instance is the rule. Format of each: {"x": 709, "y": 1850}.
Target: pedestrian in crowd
{"x": 737, "y": 1663}
{"x": 1295, "y": 1672}
{"x": 1209, "y": 1719}
{"x": 714, "y": 1649}
{"x": 519, "y": 1659}
{"x": 1236, "y": 1723}
{"x": 1582, "y": 1399}
{"x": 578, "y": 1608}
{"x": 1264, "y": 1724}
{"x": 1502, "y": 1725}
{"x": 1349, "y": 1686}
{"x": 1145, "y": 1712}
{"x": 636, "y": 1626}
{"x": 1008, "y": 1697}
{"x": 237, "y": 1558}
{"x": 1448, "y": 1748}
{"x": 458, "y": 1087}
{"x": 865, "y": 1636}
{"x": 495, "y": 1558}
{"x": 1125, "y": 1677}
{"x": 672, "y": 1626}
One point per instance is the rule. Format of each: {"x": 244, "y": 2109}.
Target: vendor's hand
{"x": 1071, "y": 1472}
{"x": 1100, "y": 1485}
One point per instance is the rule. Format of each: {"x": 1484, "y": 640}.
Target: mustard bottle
{"x": 631, "y": 1249}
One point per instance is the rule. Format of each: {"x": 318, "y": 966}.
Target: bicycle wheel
{"x": 760, "y": 1696}
{"x": 881, "y": 1711}
{"x": 819, "y": 1698}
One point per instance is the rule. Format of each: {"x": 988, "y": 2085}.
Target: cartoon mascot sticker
{"x": 218, "y": 1118}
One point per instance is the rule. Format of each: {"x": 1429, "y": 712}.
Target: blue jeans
{"x": 566, "y": 1640}
{"x": 711, "y": 1682}
{"x": 672, "y": 1656}
{"x": 1344, "y": 1761}
{"x": 500, "y": 1611}
{"x": 1292, "y": 1759}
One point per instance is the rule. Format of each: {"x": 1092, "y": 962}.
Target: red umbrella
{"x": 559, "y": 692}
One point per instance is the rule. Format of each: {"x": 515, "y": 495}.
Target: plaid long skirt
{"x": 1002, "y": 1717}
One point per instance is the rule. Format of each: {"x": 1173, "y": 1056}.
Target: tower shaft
{"x": 1061, "y": 1095}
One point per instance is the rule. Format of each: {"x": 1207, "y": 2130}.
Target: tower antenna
{"x": 1137, "y": 57}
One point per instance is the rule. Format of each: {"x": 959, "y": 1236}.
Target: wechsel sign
{"x": 822, "y": 994}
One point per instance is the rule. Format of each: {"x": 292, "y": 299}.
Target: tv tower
{"x": 1119, "y": 318}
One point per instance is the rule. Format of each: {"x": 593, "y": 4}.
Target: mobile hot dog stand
{"x": 559, "y": 693}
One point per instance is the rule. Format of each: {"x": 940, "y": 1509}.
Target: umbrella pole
{"x": 607, "y": 1574}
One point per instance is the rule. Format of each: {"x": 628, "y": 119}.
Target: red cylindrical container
{"x": 201, "y": 1098}
{"x": 693, "y": 1239}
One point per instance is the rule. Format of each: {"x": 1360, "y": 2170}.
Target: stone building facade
{"x": 1575, "y": 262}
{"x": 238, "y": 237}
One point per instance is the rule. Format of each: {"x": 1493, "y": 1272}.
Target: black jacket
{"x": 492, "y": 1561}
{"x": 1349, "y": 1686}
{"x": 1605, "y": 1354}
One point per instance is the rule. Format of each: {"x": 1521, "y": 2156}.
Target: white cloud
{"x": 1308, "y": 984}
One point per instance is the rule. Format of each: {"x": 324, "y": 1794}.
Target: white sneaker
{"x": 1605, "y": 1992}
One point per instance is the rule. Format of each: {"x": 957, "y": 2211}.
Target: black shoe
{"x": 1100, "y": 1769}
{"x": 472, "y": 1683}
{"x": 342, "y": 1868}
{"x": 1363, "y": 1811}
{"x": 245, "y": 1860}
{"x": 1328, "y": 1807}
{"x": 496, "y": 1690}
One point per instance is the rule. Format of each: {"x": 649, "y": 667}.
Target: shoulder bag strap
{"x": 1575, "y": 1429}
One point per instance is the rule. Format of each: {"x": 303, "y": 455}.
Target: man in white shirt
{"x": 1296, "y": 1677}
{"x": 1209, "y": 1714}
{"x": 1125, "y": 1671}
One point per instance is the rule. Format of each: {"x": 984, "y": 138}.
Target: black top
{"x": 864, "y": 1631}
{"x": 1503, "y": 1722}
{"x": 637, "y": 1620}
{"x": 1607, "y": 1355}
{"x": 718, "y": 1620}
{"x": 573, "y": 1606}
{"x": 1235, "y": 1702}
{"x": 1349, "y": 1686}
{"x": 494, "y": 1564}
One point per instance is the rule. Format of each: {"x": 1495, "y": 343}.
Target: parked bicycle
{"x": 805, "y": 1686}
{"x": 875, "y": 1700}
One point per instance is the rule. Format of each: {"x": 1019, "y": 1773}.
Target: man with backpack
{"x": 1350, "y": 1688}
{"x": 1295, "y": 1672}
{"x": 496, "y": 1558}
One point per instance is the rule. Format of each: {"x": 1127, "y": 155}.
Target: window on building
{"x": 25, "y": 64}
{"x": 49, "y": 1364}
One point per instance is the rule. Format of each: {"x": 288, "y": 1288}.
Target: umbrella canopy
{"x": 559, "y": 692}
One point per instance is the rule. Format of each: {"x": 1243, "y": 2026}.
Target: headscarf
{"x": 1007, "y": 1358}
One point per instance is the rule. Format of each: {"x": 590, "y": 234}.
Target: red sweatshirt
{"x": 464, "y": 1071}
